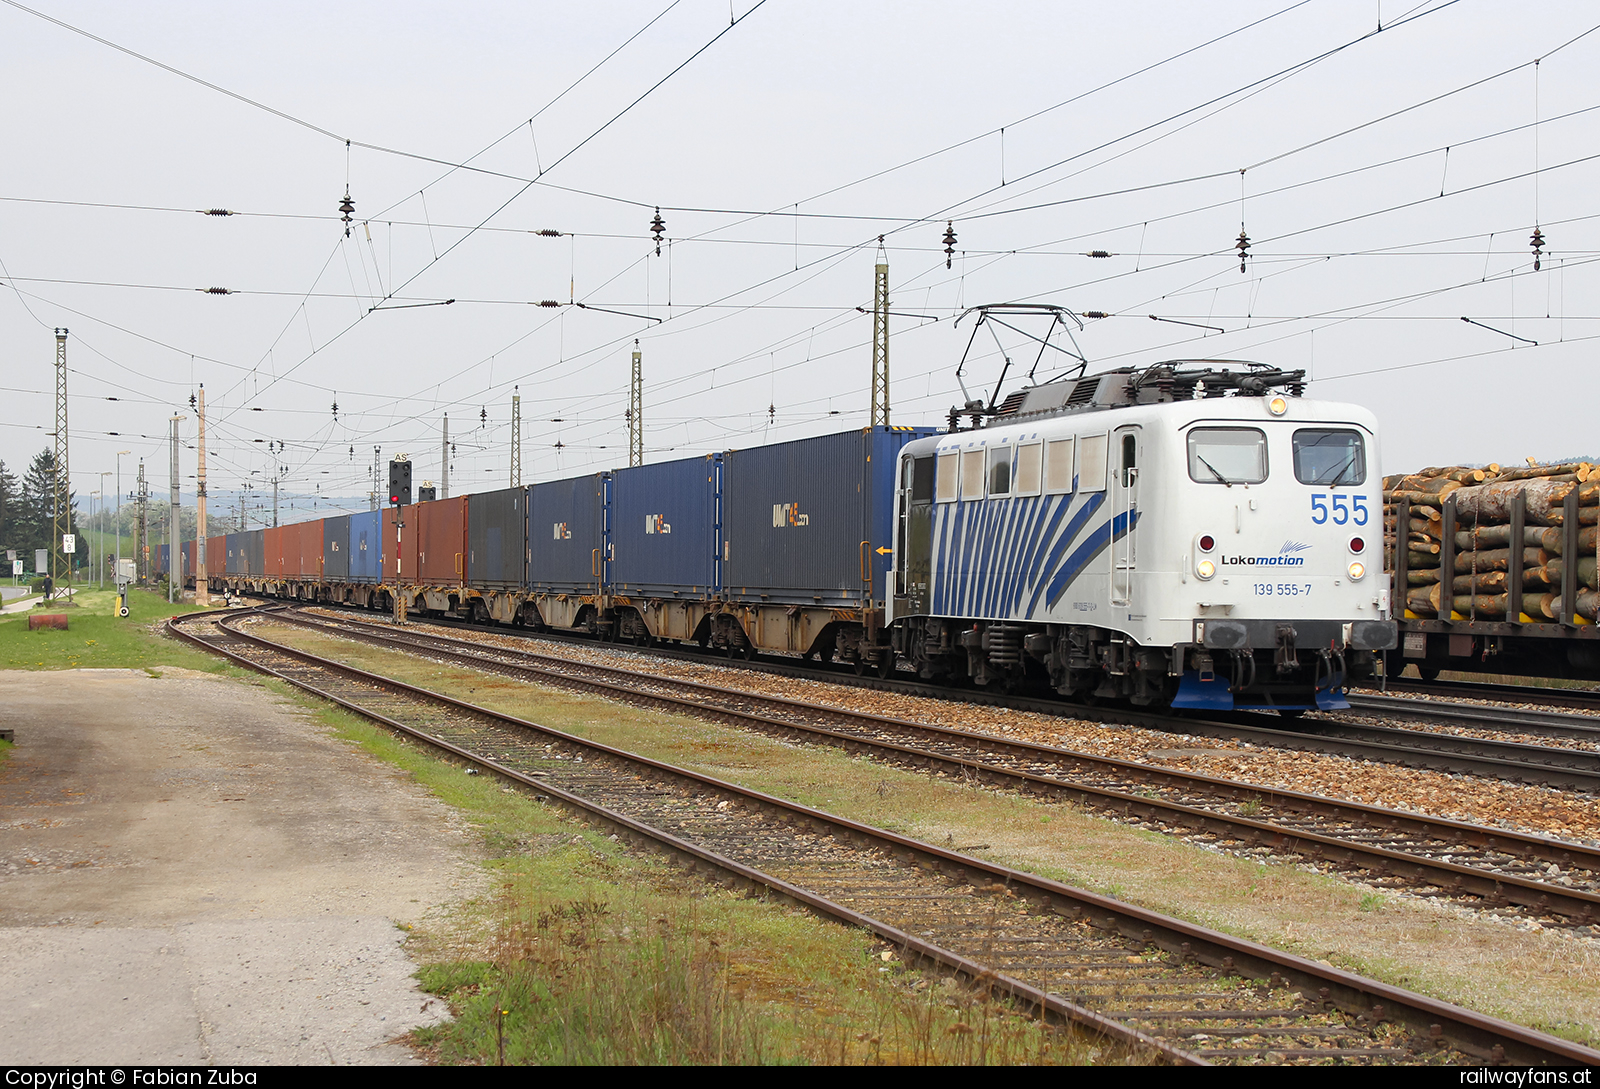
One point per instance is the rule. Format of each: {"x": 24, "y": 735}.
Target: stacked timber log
{"x": 1482, "y": 554}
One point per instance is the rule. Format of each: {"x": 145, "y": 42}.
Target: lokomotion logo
{"x": 1286, "y": 557}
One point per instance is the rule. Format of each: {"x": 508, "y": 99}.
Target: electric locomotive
{"x": 1190, "y": 534}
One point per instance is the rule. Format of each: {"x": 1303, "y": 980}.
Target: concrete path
{"x": 193, "y": 872}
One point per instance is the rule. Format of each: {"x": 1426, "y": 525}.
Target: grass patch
{"x": 588, "y": 951}
{"x": 97, "y": 638}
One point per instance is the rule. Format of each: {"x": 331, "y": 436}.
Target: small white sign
{"x": 16, "y": 568}
{"x": 69, "y": 543}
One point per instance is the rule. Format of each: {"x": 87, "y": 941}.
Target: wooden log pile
{"x": 1485, "y": 560}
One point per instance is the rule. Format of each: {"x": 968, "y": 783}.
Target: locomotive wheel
{"x": 1291, "y": 713}
{"x": 886, "y": 667}
{"x": 1428, "y": 673}
{"x": 860, "y": 666}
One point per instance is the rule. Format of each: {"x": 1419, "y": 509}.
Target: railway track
{"x": 1477, "y": 716}
{"x": 1171, "y": 990}
{"x": 1432, "y": 856}
{"x": 1543, "y": 765}
{"x": 1580, "y": 699}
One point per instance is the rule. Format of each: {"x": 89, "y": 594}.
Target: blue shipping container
{"x": 804, "y": 522}
{"x": 234, "y": 561}
{"x": 566, "y": 535}
{"x": 663, "y": 528}
{"x": 366, "y": 550}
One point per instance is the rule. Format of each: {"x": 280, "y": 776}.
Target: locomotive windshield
{"x": 1329, "y": 457}
{"x": 1227, "y": 455}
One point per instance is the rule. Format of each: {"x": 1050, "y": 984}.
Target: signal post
{"x": 399, "y": 498}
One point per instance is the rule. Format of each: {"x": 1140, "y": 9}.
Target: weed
{"x": 1371, "y": 901}
{"x": 1251, "y": 808}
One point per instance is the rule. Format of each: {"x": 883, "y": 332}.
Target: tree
{"x": 36, "y": 506}
{"x": 10, "y": 500}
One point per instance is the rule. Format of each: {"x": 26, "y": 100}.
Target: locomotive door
{"x": 1124, "y": 512}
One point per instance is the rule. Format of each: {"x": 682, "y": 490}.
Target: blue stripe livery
{"x": 992, "y": 556}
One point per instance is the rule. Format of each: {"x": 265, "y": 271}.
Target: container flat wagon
{"x": 783, "y": 548}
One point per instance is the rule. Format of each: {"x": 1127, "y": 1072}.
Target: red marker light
{"x": 1207, "y": 543}
{"x": 1357, "y": 544}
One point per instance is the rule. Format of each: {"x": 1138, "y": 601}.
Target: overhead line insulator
{"x": 216, "y": 212}
{"x": 546, "y": 232}
{"x": 658, "y": 225}
{"x": 215, "y": 291}
{"x": 547, "y": 302}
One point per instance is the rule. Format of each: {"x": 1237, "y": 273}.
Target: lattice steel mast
{"x": 516, "y": 437}
{"x": 880, "y": 341}
{"x": 61, "y": 486}
{"x": 636, "y": 411}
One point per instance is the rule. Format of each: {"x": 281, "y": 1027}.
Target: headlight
{"x": 1205, "y": 569}
{"x": 1278, "y": 406}
{"x": 1357, "y": 569}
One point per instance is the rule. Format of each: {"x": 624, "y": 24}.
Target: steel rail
{"x": 1498, "y": 887}
{"x": 1436, "y": 1023}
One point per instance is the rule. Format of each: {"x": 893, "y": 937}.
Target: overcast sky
{"x": 778, "y": 149}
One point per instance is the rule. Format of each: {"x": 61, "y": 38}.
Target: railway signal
{"x": 400, "y": 482}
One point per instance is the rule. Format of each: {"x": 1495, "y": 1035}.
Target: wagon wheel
{"x": 886, "y": 667}
{"x": 860, "y": 666}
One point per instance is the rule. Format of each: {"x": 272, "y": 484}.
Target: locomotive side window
{"x": 1329, "y": 457}
{"x": 1058, "y": 465}
{"x": 922, "y": 480}
{"x": 1000, "y": 470}
{"x": 1029, "y": 465}
{"x": 1227, "y": 455}
{"x": 949, "y": 476}
{"x": 972, "y": 474}
{"x": 1092, "y": 463}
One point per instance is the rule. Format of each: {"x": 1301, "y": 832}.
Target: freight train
{"x": 1188, "y": 534}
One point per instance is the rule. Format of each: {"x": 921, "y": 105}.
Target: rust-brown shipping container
{"x": 441, "y": 541}
{"x": 272, "y": 551}
{"x": 302, "y": 558}
{"x": 216, "y": 556}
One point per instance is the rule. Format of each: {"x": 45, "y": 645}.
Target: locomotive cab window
{"x": 1227, "y": 455}
{"x": 922, "y": 480}
{"x": 1029, "y": 465}
{"x": 1329, "y": 457}
{"x": 1000, "y": 470}
{"x": 949, "y": 476}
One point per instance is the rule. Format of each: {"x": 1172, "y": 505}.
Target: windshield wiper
{"x": 1226, "y": 482}
{"x": 1338, "y": 478}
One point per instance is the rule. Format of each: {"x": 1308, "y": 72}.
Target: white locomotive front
{"x": 1196, "y": 535}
